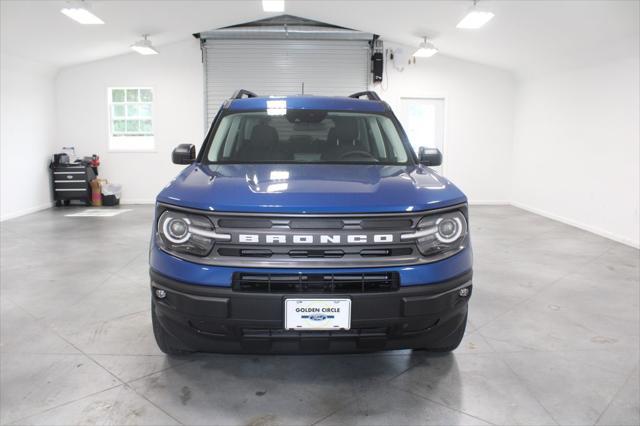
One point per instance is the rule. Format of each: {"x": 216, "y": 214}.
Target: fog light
{"x": 463, "y": 292}
{"x": 161, "y": 294}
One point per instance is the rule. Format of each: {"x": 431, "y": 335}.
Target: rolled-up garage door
{"x": 280, "y": 67}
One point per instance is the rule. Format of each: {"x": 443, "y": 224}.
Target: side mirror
{"x": 429, "y": 156}
{"x": 184, "y": 154}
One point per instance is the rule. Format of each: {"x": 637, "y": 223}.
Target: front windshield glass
{"x": 307, "y": 136}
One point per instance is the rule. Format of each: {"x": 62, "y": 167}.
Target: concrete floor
{"x": 553, "y": 339}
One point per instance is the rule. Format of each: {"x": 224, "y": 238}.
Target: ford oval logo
{"x": 317, "y": 317}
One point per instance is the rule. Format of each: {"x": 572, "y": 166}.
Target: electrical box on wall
{"x": 377, "y": 66}
{"x": 377, "y": 61}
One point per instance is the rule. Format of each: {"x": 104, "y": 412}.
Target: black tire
{"x": 163, "y": 339}
{"x": 452, "y": 341}
{"x": 58, "y": 203}
{"x": 67, "y": 202}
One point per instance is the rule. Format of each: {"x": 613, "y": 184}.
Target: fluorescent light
{"x": 425, "y": 52}
{"x": 144, "y": 46}
{"x": 426, "y": 49}
{"x": 475, "y": 19}
{"x": 273, "y": 5}
{"x": 145, "y": 50}
{"x": 82, "y": 15}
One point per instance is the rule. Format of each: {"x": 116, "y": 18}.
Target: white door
{"x": 423, "y": 120}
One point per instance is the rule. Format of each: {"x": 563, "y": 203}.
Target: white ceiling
{"x": 526, "y": 37}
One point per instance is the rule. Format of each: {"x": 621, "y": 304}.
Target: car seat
{"x": 261, "y": 146}
{"x": 342, "y": 138}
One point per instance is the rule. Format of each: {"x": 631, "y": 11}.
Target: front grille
{"x": 321, "y": 241}
{"x": 316, "y": 283}
{"x": 306, "y": 223}
{"x": 313, "y": 252}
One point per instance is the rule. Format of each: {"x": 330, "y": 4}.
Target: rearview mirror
{"x": 184, "y": 153}
{"x": 429, "y": 156}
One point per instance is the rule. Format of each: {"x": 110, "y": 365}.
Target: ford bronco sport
{"x": 308, "y": 224}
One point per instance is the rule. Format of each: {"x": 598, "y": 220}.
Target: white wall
{"x": 576, "y": 153}
{"x": 82, "y": 113}
{"x": 479, "y": 102}
{"x": 27, "y": 132}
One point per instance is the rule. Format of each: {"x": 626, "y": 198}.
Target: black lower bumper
{"x": 215, "y": 319}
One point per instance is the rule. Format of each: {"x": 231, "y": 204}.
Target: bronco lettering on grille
{"x": 314, "y": 239}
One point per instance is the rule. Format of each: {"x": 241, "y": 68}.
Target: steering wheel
{"x": 350, "y": 154}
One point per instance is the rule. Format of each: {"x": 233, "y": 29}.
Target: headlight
{"x": 185, "y": 233}
{"x": 441, "y": 235}
{"x": 176, "y": 229}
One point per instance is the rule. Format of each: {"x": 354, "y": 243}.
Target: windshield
{"x": 306, "y": 136}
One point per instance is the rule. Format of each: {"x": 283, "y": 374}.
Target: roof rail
{"x": 238, "y": 94}
{"x": 372, "y": 96}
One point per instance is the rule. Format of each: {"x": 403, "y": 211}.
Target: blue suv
{"x": 308, "y": 224}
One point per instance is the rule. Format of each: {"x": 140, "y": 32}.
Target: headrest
{"x": 346, "y": 129}
{"x": 263, "y": 135}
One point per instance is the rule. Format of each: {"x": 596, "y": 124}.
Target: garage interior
{"x": 537, "y": 115}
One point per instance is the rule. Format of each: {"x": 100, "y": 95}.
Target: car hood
{"x": 310, "y": 188}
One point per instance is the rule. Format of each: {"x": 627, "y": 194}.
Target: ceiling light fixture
{"x": 80, "y": 13}
{"x": 426, "y": 49}
{"x": 144, "y": 46}
{"x": 273, "y": 5}
{"x": 475, "y": 18}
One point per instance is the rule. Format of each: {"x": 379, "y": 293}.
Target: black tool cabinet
{"x": 71, "y": 182}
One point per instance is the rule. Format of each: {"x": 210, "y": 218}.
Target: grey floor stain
{"x": 267, "y": 419}
{"x": 185, "y": 395}
{"x": 603, "y": 339}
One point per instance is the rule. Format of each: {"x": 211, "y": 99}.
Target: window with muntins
{"x": 131, "y": 119}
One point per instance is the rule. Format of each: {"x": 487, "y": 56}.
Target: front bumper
{"x": 218, "y": 319}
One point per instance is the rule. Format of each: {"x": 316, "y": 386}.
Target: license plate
{"x": 317, "y": 314}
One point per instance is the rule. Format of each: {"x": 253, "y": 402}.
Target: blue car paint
{"x": 309, "y": 102}
{"x": 309, "y": 189}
